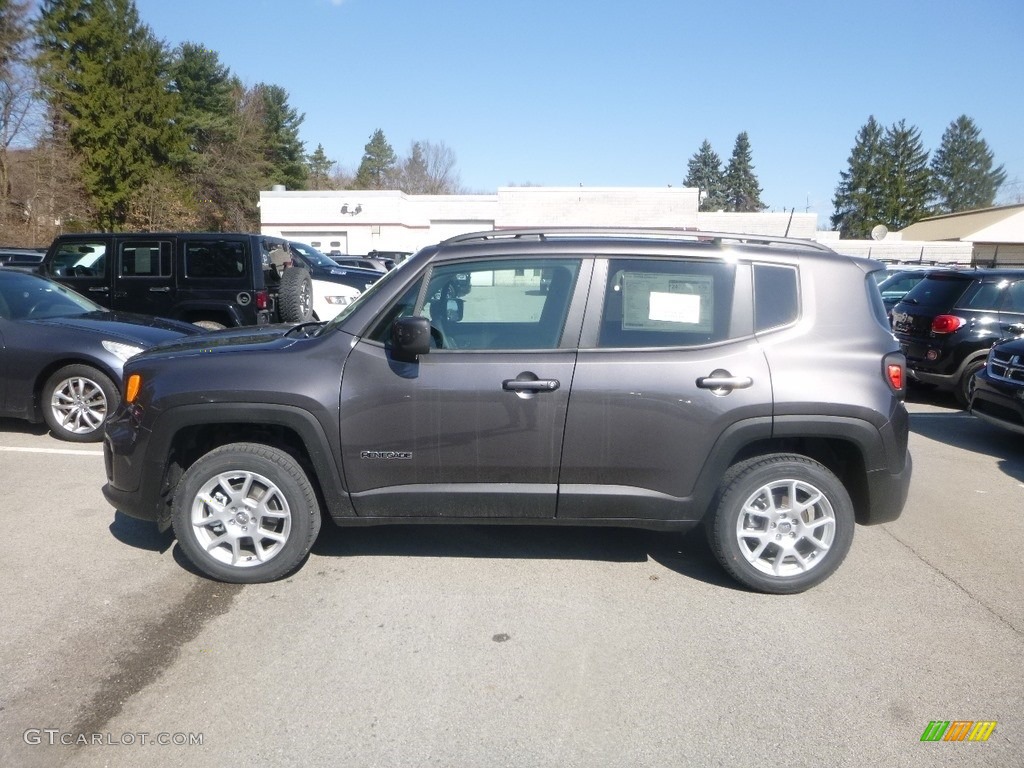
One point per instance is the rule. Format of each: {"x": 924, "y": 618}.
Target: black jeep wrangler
{"x": 214, "y": 280}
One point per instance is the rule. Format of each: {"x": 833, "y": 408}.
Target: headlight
{"x": 341, "y": 301}
{"x": 121, "y": 351}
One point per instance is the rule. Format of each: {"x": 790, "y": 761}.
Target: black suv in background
{"x": 998, "y": 395}
{"x": 214, "y": 280}
{"x": 660, "y": 380}
{"x": 947, "y": 323}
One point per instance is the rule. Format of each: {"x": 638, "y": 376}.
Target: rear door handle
{"x": 536, "y": 385}
{"x": 165, "y": 289}
{"x": 98, "y": 289}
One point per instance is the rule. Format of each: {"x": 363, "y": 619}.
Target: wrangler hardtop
{"x": 212, "y": 279}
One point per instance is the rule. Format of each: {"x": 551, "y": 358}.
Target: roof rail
{"x": 681, "y": 233}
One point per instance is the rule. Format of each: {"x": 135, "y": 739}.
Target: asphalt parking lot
{"x": 463, "y": 646}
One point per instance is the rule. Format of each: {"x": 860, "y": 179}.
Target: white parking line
{"x": 61, "y": 451}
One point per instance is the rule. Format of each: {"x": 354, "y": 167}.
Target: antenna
{"x": 879, "y": 231}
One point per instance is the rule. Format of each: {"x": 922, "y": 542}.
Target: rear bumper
{"x": 887, "y": 494}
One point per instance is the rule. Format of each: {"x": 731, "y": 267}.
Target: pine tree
{"x": 206, "y": 107}
{"x": 319, "y": 169}
{"x": 907, "y": 180}
{"x": 378, "y": 163}
{"x": 857, "y": 199}
{"x": 963, "y": 176}
{"x": 284, "y": 151}
{"x": 105, "y": 76}
{"x": 742, "y": 192}
{"x": 704, "y": 172}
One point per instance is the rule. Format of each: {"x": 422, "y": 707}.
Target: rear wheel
{"x": 245, "y": 513}
{"x": 783, "y": 523}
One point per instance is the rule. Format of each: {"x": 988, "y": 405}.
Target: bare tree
{"x": 429, "y": 170}
{"x": 54, "y": 195}
{"x": 18, "y": 104}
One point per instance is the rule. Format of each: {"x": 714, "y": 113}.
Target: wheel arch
{"x": 182, "y": 435}
{"x": 850, "y": 448}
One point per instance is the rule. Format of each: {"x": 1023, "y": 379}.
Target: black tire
{"x": 77, "y": 400}
{"x": 217, "y": 510}
{"x": 965, "y": 387}
{"x": 805, "y": 555}
{"x": 296, "y": 295}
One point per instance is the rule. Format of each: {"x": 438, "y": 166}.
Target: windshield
{"x": 372, "y": 290}
{"x": 27, "y": 297}
{"x": 314, "y": 256}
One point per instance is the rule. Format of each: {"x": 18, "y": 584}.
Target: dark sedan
{"x": 325, "y": 268}
{"x": 998, "y": 393}
{"x": 61, "y": 355}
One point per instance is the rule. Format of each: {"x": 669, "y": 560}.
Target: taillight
{"x": 262, "y": 299}
{"x": 894, "y": 371}
{"x": 947, "y": 323}
{"x": 895, "y": 375}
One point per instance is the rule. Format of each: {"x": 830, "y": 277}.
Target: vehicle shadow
{"x": 958, "y": 428}
{"x": 20, "y": 427}
{"x": 140, "y": 534}
{"x": 684, "y": 553}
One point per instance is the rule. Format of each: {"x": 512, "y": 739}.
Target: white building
{"x": 357, "y": 222}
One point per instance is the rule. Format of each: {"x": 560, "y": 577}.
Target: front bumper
{"x": 999, "y": 403}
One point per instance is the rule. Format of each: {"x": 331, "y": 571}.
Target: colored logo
{"x": 958, "y": 730}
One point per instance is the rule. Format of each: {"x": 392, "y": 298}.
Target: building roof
{"x": 1002, "y": 224}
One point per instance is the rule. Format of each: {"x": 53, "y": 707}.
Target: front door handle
{"x": 722, "y": 382}
{"x": 99, "y": 289}
{"x": 527, "y": 385}
{"x": 165, "y": 289}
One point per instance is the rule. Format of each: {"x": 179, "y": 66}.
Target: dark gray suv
{"x": 568, "y": 377}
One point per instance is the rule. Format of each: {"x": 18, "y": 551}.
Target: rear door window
{"x": 144, "y": 259}
{"x": 666, "y": 303}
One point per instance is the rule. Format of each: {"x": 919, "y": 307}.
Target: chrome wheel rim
{"x": 306, "y": 300}
{"x": 241, "y": 518}
{"x": 786, "y": 528}
{"x": 79, "y": 405}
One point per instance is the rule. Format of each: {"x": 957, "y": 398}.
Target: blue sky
{"x": 622, "y": 94}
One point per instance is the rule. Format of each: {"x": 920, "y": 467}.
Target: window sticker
{"x": 675, "y": 307}
{"x": 667, "y": 302}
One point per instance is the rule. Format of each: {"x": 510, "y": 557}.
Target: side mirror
{"x": 454, "y": 310}
{"x": 410, "y": 337}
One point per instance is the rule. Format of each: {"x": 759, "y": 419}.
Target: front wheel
{"x": 965, "y": 387}
{"x": 245, "y": 513}
{"x": 783, "y": 523}
{"x": 76, "y": 401}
